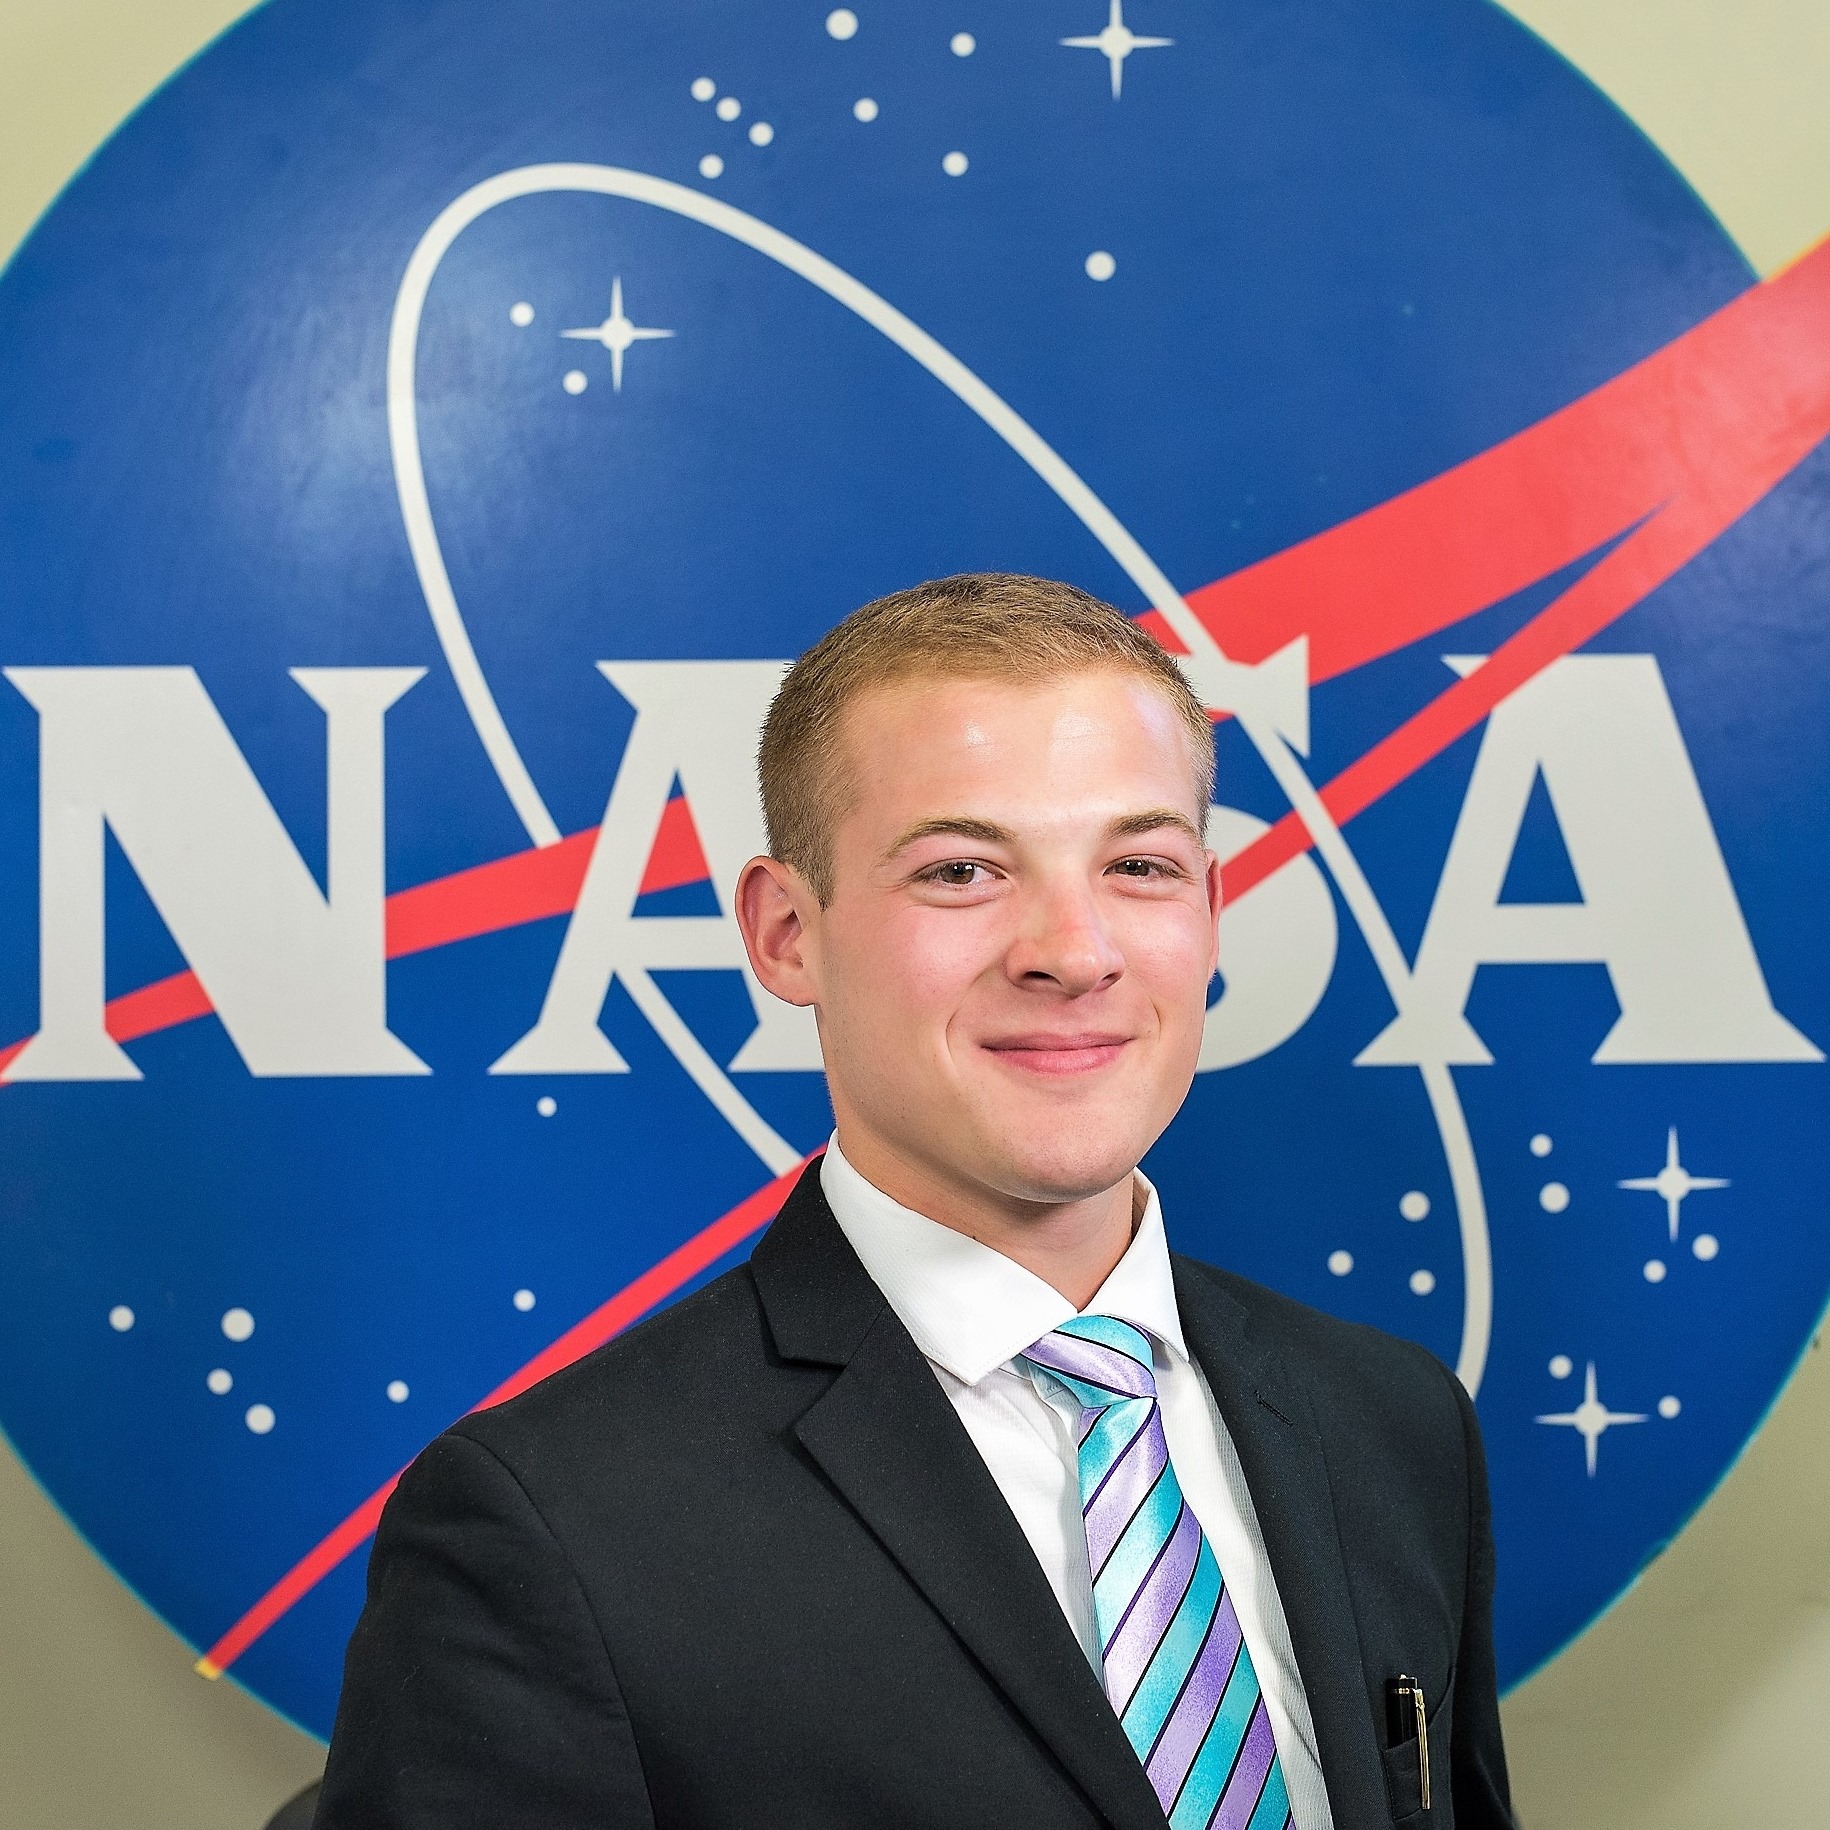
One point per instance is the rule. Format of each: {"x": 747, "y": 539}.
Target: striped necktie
{"x": 1177, "y": 1669}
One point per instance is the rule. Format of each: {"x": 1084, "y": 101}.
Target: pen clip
{"x": 1423, "y": 1743}
{"x": 1412, "y": 1719}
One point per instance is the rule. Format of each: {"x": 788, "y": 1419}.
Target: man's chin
{"x": 1050, "y": 1150}
{"x": 1048, "y": 1177}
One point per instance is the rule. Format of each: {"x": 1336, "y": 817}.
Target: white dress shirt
{"x": 971, "y": 1311}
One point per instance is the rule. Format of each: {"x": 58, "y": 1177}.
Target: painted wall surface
{"x": 1691, "y": 1702}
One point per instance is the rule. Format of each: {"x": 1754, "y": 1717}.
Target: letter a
{"x": 1657, "y": 909}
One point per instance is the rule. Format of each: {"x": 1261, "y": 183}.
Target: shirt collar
{"x": 969, "y": 1308}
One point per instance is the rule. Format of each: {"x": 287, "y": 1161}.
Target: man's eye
{"x": 1145, "y": 870}
{"x": 957, "y": 873}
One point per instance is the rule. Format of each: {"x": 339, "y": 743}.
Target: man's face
{"x": 1011, "y": 973}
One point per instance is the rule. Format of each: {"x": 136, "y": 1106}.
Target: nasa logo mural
{"x": 430, "y": 428}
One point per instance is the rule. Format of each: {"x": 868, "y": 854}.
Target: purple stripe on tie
{"x": 1141, "y": 1628}
{"x": 1189, "y": 1721}
{"x": 1098, "y": 1365}
{"x": 1145, "y": 1416}
{"x": 1128, "y": 1484}
{"x": 1239, "y": 1799}
{"x": 1068, "y": 1332}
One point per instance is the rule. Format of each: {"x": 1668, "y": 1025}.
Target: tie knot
{"x": 1100, "y": 1359}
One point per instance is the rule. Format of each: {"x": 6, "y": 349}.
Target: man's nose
{"x": 1064, "y": 941}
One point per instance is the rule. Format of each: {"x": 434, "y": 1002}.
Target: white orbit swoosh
{"x": 1048, "y": 464}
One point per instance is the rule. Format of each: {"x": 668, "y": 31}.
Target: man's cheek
{"x": 1174, "y": 956}
{"x": 934, "y": 963}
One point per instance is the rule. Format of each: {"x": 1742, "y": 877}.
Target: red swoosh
{"x": 629, "y": 1304}
{"x": 1675, "y": 449}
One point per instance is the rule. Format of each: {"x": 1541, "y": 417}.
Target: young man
{"x": 962, "y": 1503}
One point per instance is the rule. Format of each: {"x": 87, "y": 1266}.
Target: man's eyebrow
{"x": 1135, "y": 825}
{"x": 987, "y": 832}
{"x": 951, "y": 826}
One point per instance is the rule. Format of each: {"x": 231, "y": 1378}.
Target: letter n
{"x": 297, "y": 975}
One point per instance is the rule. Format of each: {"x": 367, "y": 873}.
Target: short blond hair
{"x": 977, "y": 626}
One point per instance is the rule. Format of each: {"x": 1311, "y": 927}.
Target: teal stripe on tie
{"x": 1137, "y": 1550}
{"x": 1118, "y": 1426}
{"x": 1174, "y": 1658}
{"x": 1208, "y": 1776}
{"x": 1273, "y": 1801}
{"x": 1109, "y": 1331}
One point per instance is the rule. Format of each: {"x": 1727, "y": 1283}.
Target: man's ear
{"x": 777, "y": 914}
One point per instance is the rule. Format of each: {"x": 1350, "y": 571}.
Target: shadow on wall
{"x": 298, "y": 1813}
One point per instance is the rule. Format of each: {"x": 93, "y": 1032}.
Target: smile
{"x": 1058, "y": 1056}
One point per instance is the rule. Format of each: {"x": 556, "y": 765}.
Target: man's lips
{"x": 1082, "y": 1052}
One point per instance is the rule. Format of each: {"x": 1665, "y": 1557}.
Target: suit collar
{"x": 1267, "y": 1410}
{"x": 816, "y": 1296}
{"x": 886, "y": 1437}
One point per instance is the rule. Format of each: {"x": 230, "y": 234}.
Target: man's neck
{"x": 1072, "y": 1246}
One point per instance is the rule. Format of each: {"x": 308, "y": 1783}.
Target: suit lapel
{"x": 888, "y": 1440}
{"x": 1268, "y": 1413}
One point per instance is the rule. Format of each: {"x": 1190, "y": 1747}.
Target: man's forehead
{"x": 1012, "y": 752}
{"x": 972, "y": 721}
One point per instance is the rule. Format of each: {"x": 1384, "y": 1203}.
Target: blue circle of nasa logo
{"x": 431, "y": 428}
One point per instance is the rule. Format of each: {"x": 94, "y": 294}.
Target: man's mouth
{"x": 1059, "y": 1055}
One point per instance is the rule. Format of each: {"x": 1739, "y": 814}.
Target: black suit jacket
{"x": 744, "y": 1568}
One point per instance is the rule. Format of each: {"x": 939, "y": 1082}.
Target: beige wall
{"x": 1701, "y": 1700}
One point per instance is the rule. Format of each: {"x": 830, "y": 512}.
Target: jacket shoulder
{"x": 701, "y": 1357}
{"x": 1352, "y": 1344}
{"x": 1356, "y": 1376}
